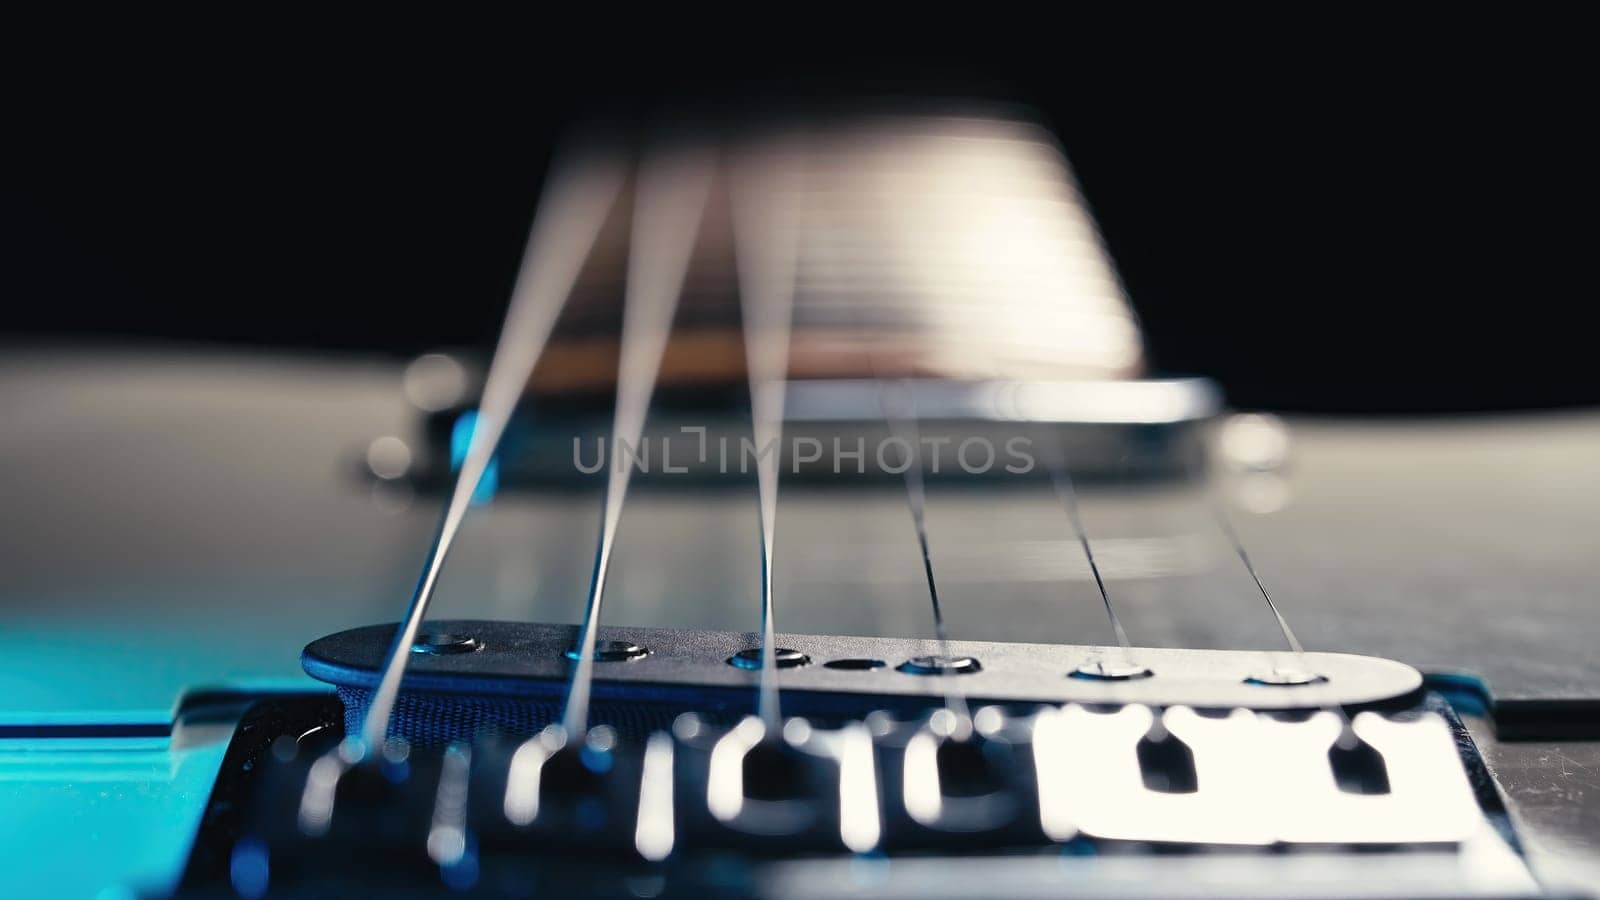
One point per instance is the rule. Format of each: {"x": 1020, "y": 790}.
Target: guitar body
{"x": 1380, "y": 550}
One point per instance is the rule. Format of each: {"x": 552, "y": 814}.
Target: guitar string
{"x": 670, "y": 197}
{"x": 1067, "y": 493}
{"x": 778, "y": 284}
{"x": 1347, "y": 737}
{"x": 1198, "y": 471}
{"x": 1226, "y": 526}
{"x": 903, "y": 426}
{"x": 580, "y": 191}
{"x": 763, "y": 208}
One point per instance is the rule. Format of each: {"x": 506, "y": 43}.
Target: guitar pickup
{"x": 835, "y": 428}
{"x": 867, "y": 758}
{"x": 511, "y": 677}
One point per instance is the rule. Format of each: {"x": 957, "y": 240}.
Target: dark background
{"x": 1356, "y": 215}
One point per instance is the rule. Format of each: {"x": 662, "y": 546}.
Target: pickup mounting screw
{"x": 611, "y": 651}
{"x": 783, "y": 657}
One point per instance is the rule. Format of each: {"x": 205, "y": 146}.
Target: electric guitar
{"x": 819, "y": 527}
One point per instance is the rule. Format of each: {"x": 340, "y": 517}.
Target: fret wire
{"x": 579, "y": 194}
{"x": 670, "y": 199}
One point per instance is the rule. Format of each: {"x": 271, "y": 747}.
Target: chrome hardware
{"x": 1100, "y": 670}
{"x": 444, "y": 644}
{"x": 941, "y": 665}
{"x": 1428, "y": 800}
{"x": 1100, "y": 787}
{"x": 783, "y": 658}
{"x": 1049, "y": 776}
{"x": 759, "y": 782}
{"x": 525, "y": 659}
{"x": 1285, "y": 678}
{"x": 955, "y": 779}
{"x": 611, "y": 651}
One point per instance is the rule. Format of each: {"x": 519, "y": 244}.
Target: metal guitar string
{"x": 1226, "y": 525}
{"x": 763, "y": 207}
{"x": 903, "y": 427}
{"x": 1214, "y": 507}
{"x": 1239, "y": 550}
{"x": 669, "y": 201}
{"x": 1067, "y": 493}
{"x": 1347, "y": 736}
{"x": 579, "y": 194}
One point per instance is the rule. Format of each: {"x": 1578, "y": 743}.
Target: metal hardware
{"x": 612, "y": 651}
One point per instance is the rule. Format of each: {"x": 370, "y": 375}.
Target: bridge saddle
{"x": 1056, "y": 775}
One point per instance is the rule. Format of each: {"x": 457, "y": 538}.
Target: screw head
{"x": 940, "y": 665}
{"x": 1099, "y": 670}
{"x": 1286, "y": 678}
{"x": 445, "y": 644}
{"x": 782, "y": 657}
{"x": 611, "y": 651}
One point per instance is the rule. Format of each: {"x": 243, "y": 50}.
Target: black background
{"x": 1352, "y": 214}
